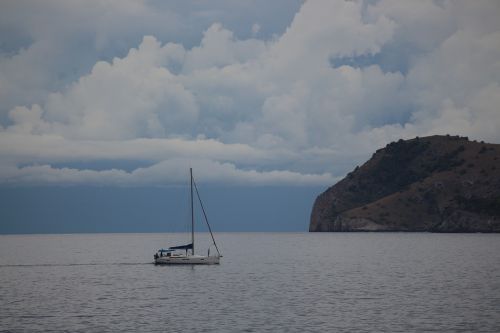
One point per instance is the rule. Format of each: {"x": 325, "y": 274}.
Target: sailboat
{"x": 184, "y": 254}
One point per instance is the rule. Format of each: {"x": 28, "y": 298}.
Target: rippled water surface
{"x": 276, "y": 282}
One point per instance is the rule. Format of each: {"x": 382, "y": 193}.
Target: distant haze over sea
{"x": 109, "y": 209}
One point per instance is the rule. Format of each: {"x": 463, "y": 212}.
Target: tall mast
{"x": 192, "y": 211}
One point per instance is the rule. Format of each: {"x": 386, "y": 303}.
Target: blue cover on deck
{"x": 182, "y": 247}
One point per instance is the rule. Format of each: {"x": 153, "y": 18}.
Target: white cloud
{"x": 45, "y": 46}
{"x": 258, "y": 111}
{"x": 131, "y": 97}
{"x": 26, "y": 147}
{"x": 169, "y": 172}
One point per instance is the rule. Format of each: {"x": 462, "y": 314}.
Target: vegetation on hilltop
{"x": 437, "y": 183}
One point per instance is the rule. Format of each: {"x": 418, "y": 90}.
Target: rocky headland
{"x": 437, "y": 183}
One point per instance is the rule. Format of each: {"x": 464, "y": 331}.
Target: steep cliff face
{"x": 437, "y": 183}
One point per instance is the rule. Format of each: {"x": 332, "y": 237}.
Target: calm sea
{"x": 275, "y": 282}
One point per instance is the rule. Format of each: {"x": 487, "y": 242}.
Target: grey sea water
{"x": 276, "y": 282}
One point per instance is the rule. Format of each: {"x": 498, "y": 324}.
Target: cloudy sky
{"x": 133, "y": 92}
{"x": 286, "y": 93}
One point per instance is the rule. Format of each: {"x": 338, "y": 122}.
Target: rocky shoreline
{"x": 434, "y": 184}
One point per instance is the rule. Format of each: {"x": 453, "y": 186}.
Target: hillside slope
{"x": 436, "y": 183}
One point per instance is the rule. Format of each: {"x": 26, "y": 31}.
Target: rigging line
{"x": 206, "y": 219}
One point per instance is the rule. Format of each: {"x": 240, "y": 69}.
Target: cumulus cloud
{"x": 47, "y": 45}
{"x": 131, "y": 97}
{"x": 300, "y": 107}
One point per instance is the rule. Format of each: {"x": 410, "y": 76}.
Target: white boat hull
{"x": 187, "y": 260}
